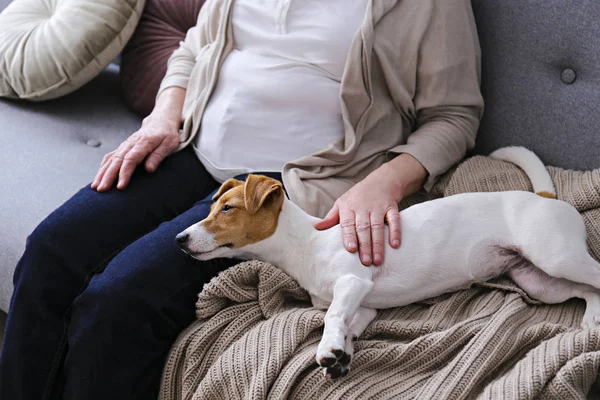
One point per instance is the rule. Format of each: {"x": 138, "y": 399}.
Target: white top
{"x": 278, "y": 94}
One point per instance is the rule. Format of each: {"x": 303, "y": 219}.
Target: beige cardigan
{"x": 410, "y": 85}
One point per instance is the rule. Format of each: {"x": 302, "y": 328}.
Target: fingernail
{"x": 351, "y": 245}
{"x": 377, "y": 258}
{"x": 366, "y": 259}
{"x": 396, "y": 243}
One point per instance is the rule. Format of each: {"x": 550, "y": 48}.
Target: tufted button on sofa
{"x": 541, "y": 78}
{"x": 568, "y": 76}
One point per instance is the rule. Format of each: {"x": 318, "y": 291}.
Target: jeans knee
{"x": 49, "y": 268}
{"x": 67, "y": 228}
{"x": 56, "y": 232}
{"x": 38, "y": 247}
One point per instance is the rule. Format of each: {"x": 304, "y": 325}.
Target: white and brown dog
{"x": 448, "y": 244}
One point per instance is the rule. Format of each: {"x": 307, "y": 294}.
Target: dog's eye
{"x": 226, "y": 208}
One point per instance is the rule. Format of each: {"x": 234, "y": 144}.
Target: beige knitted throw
{"x": 256, "y": 333}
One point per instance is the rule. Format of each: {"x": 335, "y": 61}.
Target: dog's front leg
{"x": 348, "y": 294}
{"x": 361, "y": 320}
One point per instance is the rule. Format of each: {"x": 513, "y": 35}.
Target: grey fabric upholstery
{"x": 48, "y": 151}
{"x": 541, "y": 78}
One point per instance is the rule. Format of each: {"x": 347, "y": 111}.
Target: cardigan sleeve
{"x": 182, "y": 61}
{"x": 448, "y": 101}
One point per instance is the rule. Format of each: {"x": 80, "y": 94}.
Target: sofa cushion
{"x": 49, "y": 48}
{"x": 163, "y": 25}
{"x": 540, "y": 78}
{"x": 48, "y": 151}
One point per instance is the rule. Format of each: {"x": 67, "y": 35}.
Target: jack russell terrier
{"x": 448, "y": 244}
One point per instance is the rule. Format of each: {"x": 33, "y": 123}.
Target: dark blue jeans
{"x": 102, "y": 290}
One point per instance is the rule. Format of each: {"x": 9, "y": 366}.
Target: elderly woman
{"x": 354, "y": 104}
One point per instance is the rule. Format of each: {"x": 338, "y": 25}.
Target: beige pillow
{"x": 49, "y": 48}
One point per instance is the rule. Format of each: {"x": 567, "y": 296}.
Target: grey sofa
{"x": 541, "y": 83}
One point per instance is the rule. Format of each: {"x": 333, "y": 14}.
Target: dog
{"x": 448, "y": 244}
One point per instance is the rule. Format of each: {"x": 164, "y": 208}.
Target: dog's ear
{"x": 260, "y": 190}
{"x": 228, "y": 184}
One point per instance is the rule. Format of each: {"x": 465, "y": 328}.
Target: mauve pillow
{"x": 163, "y": 25}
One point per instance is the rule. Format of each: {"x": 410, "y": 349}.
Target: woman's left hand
{"x": 362, "y": 212}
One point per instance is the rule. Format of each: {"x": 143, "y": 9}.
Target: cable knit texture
{"x": 256, "y": 333}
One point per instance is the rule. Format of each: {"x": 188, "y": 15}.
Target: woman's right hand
{"x": 157, "y": 138}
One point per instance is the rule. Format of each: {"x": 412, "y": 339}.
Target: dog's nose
{"x": 181, "y": 238}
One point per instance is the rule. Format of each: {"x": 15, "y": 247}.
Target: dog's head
{"x": 243, "y": 213}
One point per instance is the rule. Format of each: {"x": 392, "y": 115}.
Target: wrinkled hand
{"x": 362, "y": 212}
{"x": 155, "y": 140}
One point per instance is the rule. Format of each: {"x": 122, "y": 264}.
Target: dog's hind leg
{"x": 591, "y": 317}
{"x": 568, "y": 260}
{"x": 548, "y": 289}
{"x": 577, "y": 266}
{"x": 348, "y": 294}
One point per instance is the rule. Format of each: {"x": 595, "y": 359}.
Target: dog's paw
{"x": 337, "y": 366}
{"x": 335, "y": 358}
{"x": 590, "y": 321}
{"x": 336, "y": 371}
{"x": 331, "y": 346}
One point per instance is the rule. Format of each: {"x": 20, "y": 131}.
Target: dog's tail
{"x": 529, "y": 162}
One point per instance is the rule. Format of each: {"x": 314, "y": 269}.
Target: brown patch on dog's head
{"x": 245, "y": 212}
{"x": 546, "y": 194}
{"x": 228, "y": 184}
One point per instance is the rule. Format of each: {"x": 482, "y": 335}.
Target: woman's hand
{"x": 363, "y": 210}
{"x": 157, "y": 138}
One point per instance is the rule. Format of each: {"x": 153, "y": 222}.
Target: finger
{"x": 131, "y": 160}
{"x": 100, "y": 175}
{"x": 348, "y": 224}
{"x": 363, "y": 231}
{"x": 115, "y": 165}
{"x": 377, "y": 237}
{"x": 103, "y": 166}
{"x": 331, "y": 219}
{"x": 161, "y": 152}
{"x": 106, "y": 157}
{"x": 112, "y": 170}
{"x": 393, "y": 219}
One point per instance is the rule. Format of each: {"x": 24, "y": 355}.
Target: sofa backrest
{"x": 541, "y": 78}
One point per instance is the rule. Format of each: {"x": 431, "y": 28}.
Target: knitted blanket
{"x": 256, "y": 333}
